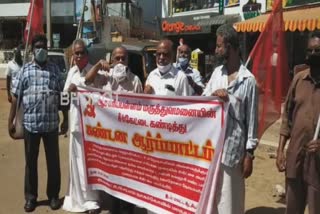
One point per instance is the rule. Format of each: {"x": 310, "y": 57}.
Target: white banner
{"x": 154, "y": 151}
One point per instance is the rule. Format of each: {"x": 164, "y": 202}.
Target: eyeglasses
{"x": 118, "y": 58}
{"x": 78, "y": 53}
{"x": 315, "y": 50}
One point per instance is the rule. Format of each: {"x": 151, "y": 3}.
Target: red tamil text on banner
{"x": 153, "y": 151}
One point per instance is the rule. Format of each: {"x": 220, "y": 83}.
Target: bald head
{"x": 78, "y": 42}
{"x": 164, "y": 54}
{"x": 168, "y": 44}
{"x": 119, "y": 55}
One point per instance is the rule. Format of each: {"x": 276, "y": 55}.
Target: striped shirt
{"x": 40, "y": 91}
{"x": 242, "y": 122}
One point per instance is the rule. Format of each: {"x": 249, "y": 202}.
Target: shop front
{"x": 12, "y": 22}
{"x": 299, "y": 22}
{"x": 197, "y": 31}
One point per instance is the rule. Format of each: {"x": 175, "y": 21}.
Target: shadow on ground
{"x": 265, "y": 210}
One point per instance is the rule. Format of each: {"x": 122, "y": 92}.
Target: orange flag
{"x": 270, "y": 67}
{"x": 34, "y": 20}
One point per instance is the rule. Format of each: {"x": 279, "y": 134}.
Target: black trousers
{"x": 51, "y": 147}
{"x": 121, "y": 207}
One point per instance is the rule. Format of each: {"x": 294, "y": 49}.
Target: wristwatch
{"x": 250, "y": 153}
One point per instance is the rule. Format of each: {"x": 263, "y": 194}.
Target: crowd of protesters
{"x": 231, "y": 82}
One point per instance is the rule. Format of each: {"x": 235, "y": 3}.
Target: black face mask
{"x": 313, "y": 60}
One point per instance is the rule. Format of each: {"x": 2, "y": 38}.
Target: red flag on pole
{"x": 34, "y": 20}
{"x": 270, "y": 67}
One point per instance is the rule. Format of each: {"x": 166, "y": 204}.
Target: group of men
{"x": 231, "y": 81}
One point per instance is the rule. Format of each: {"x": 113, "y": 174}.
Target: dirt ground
{"x": 259, "y": 187}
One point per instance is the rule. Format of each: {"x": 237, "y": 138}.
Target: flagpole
{"x": 316, "y": 133}
{"x": 48, "y": 8}
{"x": 247, "y": 62}
{"x": 28, "y": 36}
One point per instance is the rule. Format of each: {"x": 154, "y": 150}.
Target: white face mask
{"x": 164, "y": 68}
{"x": 120, "y": 72}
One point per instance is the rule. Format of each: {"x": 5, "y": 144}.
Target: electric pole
{"x": 48, "y": 7}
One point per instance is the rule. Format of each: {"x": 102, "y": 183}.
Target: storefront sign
{"x": 179, "y": 27}
{"x": 231, "y": 3}
{"x": 251, "y": 9}
{"x": 286, "y": 3}
{"x": 191, "y": 24}
{"x": 221, "y": 6}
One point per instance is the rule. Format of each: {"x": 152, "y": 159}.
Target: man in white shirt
{"x": 79, "y": 197}
{"x": 233, "y": 82}
{"x": 194, "y": 77}
{"x": 117, "y": 76}
{"x": 166, "y": 79}
{"x": 12, "y": 70}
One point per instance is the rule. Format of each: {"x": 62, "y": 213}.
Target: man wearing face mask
{"x": 183, "y": 63}
{"x": 301, "y": 163}
{"x": 166, "y": 79}
{"x": 13, "y": 68}
{"x": 117, "y": 76}
{"x": 38, "y": 85}
{"x": 234, "y": 83}
{"x": 79, "y": 197}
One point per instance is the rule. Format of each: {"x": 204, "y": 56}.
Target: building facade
{"x": 13, "y": 15}
{"x": 100, "y": 18}
{"x": 195, "y": 22}
{"x": 301, "y": 18}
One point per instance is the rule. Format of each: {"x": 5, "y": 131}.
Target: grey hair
{"x": 229, "y": 35}
{"x": 118, "y": 48}
{"x": 79, "y": 42}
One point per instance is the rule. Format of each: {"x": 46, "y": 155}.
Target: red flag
{"x": 34, "y": 20}
{"x": 270, "y": 67}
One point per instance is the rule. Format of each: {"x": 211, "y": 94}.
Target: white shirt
{"x": 12, "y": 70}
{"x": 194, "y": 74}
{"x": 78, "y": 78}
{"x": 173, "y": 78}
{"x": 131, "y": 83}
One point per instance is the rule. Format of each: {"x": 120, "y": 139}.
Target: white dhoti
{"x": 230, "y": 191}
{"x": 80, "y": 197}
